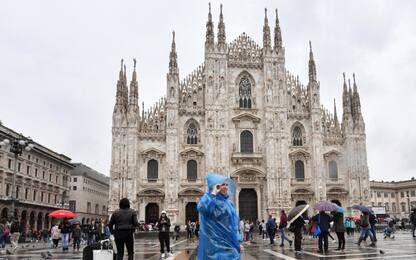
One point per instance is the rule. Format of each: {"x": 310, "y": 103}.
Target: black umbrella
{"x": 296, "y": 212}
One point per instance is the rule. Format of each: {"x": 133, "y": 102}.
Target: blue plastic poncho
{"x": 219, "y": 237}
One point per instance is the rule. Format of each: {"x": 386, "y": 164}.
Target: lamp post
{"x": 408, "y": 200}
{"x": 16, "y": 146}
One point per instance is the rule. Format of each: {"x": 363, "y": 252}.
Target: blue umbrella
{"x": 362, "y": 209}
{"x": 340, "y": 210}
{"x": 73, "y": 221}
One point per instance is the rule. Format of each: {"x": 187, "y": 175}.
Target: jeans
{"x": 2, "y": 241}
{"x": 65, "y": 238}
{"x": 298, "y": 238}
{"x": 341, "y": 240}
{"x": 373, "y": 231}
{"x": 164, "y": 240}
{"x": 271, "y": 236}
{"x": 76, "y": 242}
{"x": 282, "y": 231}
{"x": 124, "y": 238}
{"x": 365, "y": 231}
{"x": 323, "y": 238}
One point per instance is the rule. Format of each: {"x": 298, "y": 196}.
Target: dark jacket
{"x": 163, "y": 225}
{"x": 123, "y": 220}
{"x": 76, "y": 232}
{"x": 270, "y": 225}
{"x": 65, "y": 227}
{"x": 339, "y": 222}
{"x": 412, "y": 217}
{"x": 323, "y": 220}
{"x": 298, "y": 223}
{"x": 364, "y": 220}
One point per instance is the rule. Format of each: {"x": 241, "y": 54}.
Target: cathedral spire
{"x": 266, "y": 31}
{"x": 133, "y": 99}
{"x": 278, "y": 42}
{"x": 221, "y": 29}
{"x": 173, "y": 63}
{"x": 209, "y": 37}
{"x": 312, "y": 66}
{"x": 346, "y": 102}
{"x": 119, "y": 93}
{"x": 356, "y": 97}
{"x": 335, "y": 115}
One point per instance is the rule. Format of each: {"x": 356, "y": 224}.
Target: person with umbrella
{"x": 219, "y": 236}
{"x": 365, "y": 228}
{"x": 297, "y": 223}
{"x": 339, "y": 227}
{"x": 65, "y": 228}
{"x": 323, "y": 221}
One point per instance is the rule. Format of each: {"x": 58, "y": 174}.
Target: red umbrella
{"x": 61, "y": 213}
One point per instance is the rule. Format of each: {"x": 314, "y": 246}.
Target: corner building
{"x": 243, "y": 114}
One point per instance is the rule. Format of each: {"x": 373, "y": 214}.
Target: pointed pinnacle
{"x": 134, "y": 64}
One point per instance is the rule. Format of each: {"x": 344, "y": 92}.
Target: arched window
{"x": 299, "y": 171}
{"x": 246, "y": 142}
{"x": 386, "y": 206}
{"x": 297, "y": 136}
{"x": 245, "y": 92}
{"x": 393, "y": 207}
{"x": 152, "y": 170}
{"x": 192, "y": 134}
{"x": 191, "y": 170}
{"x": 333, "y": 170}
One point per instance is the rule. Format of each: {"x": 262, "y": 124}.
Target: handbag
{"x": 105, "y": 252}
{"x": 318, "y": 229}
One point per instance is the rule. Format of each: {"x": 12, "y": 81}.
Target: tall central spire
{"x": 277, "y": 35}
{"x": 312, "y": 66}
{"x": 221, "y": 30}
{"x": 266, "y": 31}
{"x": 209, "y": 37}
{"x": 173, "y": 63}
{"x": 133, "y": 99}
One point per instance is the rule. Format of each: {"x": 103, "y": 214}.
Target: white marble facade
{"x": 243, "y": 114}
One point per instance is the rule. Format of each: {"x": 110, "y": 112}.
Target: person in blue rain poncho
{"x": 219, "y": 224}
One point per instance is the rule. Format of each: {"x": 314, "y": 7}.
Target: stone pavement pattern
{"x": 402, "y": 247}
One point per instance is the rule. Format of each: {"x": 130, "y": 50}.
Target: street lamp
{"x": 408, "y": 200}
{"x": 16, "y": 146}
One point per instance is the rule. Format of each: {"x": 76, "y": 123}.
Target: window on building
{"x": 379, "y": 204}
{"x": 152, "y": 170}
{"x": 378, "y": 194}
{"x": 393, "y": 207}
{"x": 297, "y": 139}
{"x": 27, "y": 169}
{"x": 74, "y": 188}
{"x": 37, "y": 160}
{"x": 245, "y": 92}
{"x": 299, "y": 170}
{"x": 97, "y": 209}
{"x": 56, "y": 199}
{"x": 333, "y": 170}
{"x": 50, "y": 165}
{"x": 36, "y": 172}
{"x": 34, "y": 195}
{"x": 402, "y": 194}
{"x": 26, "y": 193}
{"x": 7, "y": 189}
{"x": 386, "y": 195}
{"x": 191, "y": 170}
{"x": 392, "y": 195}
{"x": 73, "y": 205}
{"x": 412, "y": 193}
{"x": 56, "y": 179}
{"x": 104, "y": 210}
{"x": 9, "y": 165}
{"x": 246, "y": 142}
{"x": 43, "y": 175}
{"x": 403, "y": 206}
{"x": 41, "y": 197}
{"x": 192, "y": 134}
{"x": 17, "y": 192}
{"x": 19, "y": 165}
{"x": 50, "y": 177}
{"x": 75, "y": 179}
{"x": 49, "y": 198}
{"x": 88, "y": 207}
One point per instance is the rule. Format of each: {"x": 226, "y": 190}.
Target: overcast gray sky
{"x": 59, "y": 63}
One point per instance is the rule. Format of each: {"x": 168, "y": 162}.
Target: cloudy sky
{"x": 59, "y": 63}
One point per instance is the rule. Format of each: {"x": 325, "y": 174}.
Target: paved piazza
{"x": 402, "y": 247}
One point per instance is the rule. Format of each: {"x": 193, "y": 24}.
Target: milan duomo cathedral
{"x": 240, "y": 113}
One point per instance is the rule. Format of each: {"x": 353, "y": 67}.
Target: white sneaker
{"x": 163, "y": 255}
{"x": 169, "y": 254}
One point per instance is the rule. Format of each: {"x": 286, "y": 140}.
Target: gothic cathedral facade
{"x": 242, "y": 114}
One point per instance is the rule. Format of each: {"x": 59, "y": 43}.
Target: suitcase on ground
{"x": 103, "y": 245}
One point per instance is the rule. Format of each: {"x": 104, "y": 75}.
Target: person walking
{"x": 56, "y": 235}
{"x": 246, "y": 231}
{"x": 122, "y": 224}
{"x": 373, "y": 222}
{"x": 164, "y": 239}
{"x": 412, "y": 219}
{"x": 76, "y": 237}
{"x": 4, "y": 232}
{"x": 263, "y": 229}
{"x": 65, "y": 228}
{"x": 177, "y": 229}
{"x": 339, "y": 229}
{"x": 298, "y": 225}
{"x": 270, "y": 228}
{"x": 282, "y": 228}
{"x": 365, "y": 229}
{"x": 323, "y": 221}
{"x": 15, "y": 231}
{"x": 219, "y": 236}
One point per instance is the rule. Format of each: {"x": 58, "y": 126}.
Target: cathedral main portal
{"x": 248, "y": 207}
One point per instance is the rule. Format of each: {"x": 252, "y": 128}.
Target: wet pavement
{"x": 402, "y": 247}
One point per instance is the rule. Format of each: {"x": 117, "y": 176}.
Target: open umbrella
{"x": 61, "y": 213}
{"x": 74, "y": 221}
{"x": 296, "y": 212}
{"x": 326, "y": 206}
{"x": 362, "y": 208}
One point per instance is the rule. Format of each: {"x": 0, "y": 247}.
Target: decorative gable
{"x": 243, "y": 52}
